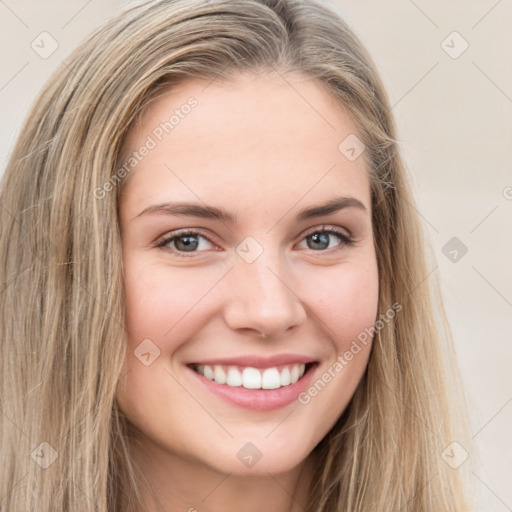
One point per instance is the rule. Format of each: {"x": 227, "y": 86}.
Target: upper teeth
{"x": 252, "y": 378}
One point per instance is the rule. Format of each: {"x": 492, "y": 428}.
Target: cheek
{"x": 346, "y": 301}
{"x": 162, "y": 305}
{"x": 160, "y": 308}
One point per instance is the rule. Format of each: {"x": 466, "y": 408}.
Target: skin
{"x": 263, "y": 148}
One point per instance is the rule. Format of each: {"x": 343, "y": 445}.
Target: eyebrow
{"x": 212, "y": 212}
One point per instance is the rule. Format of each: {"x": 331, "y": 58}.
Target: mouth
{"x": 255, "y": 385}
{"x": 249, "y": 377}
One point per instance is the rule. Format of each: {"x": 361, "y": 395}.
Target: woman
{"x": 217, "y": 298}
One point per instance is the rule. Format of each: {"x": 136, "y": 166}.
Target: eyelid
{"x": 185, "y": 231}
{"x": 327, "y": 227}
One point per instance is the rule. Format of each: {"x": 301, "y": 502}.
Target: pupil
{"x": 186, "y": 243}
{"x": 319, "y": 238}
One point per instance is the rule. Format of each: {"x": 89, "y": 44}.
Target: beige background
{"x": 455, "y": 126}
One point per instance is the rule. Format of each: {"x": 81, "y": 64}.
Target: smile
{"x": 251, "y": 381}
{"x": 252, "y": 378}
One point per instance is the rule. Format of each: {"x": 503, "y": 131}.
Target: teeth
{"x": 234, "y": 377}
{"x": 294, "y": 374}
{"x": 286, "y": 380}
{"x": 219, "y": 375}
{"x": 208, "y": 372}
{"x": 252, "y": 378}
{"x": 271, "y": 379}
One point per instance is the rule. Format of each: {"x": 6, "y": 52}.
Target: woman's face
{"x": 248, "y": 257}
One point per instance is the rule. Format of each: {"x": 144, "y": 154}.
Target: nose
{"x": 262, "y": 299}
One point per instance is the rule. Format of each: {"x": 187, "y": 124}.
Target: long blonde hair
{"x": 64, "y": 445}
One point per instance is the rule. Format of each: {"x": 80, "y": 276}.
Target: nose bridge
{"x": 263, "y": 299}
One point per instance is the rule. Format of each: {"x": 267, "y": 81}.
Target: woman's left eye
{"x": 185, "y": 243}
{"x": 326, "y": 238}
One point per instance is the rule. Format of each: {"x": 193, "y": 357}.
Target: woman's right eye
{"x": 185, "y": 242}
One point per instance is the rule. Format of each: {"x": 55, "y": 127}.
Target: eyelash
{"x": 346, "y": 241}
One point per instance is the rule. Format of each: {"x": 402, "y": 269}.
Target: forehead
{"x": 270, "y": 140}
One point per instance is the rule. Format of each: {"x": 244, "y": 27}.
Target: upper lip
{"x": 257, "y": 361}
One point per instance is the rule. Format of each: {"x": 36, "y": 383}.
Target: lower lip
{"x": 258, "y": 399}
